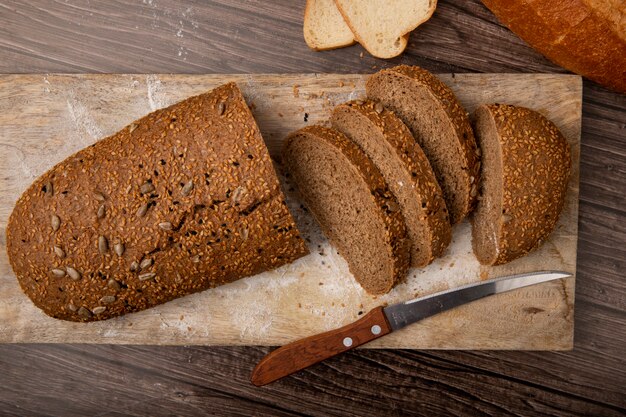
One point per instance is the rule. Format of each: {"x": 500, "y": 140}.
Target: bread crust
{"x": 536, "y": 165}
{"x": 396, "y": 232}
{"x": 181, "y": 200}
{"x": 423, "y": 184}
{"x": 466, "y": 141}
{"x": 572, "y": 34}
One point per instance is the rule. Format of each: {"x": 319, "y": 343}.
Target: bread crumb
{"x": 341, "y": 84}
{"x": 280, "y": 115}
{"x": 299, "y": 305}
{"x": 321, "y": 283}
{"x": 361, "y": 55}
{"x": 296, "y": 91}
{"x": 451, "y": 264}
{"x": 484, "y": 275}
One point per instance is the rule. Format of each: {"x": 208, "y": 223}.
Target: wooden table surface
{"x": 159, "y": 36}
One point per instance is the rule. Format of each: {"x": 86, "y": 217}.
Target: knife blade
{"x": 381, "y": 321}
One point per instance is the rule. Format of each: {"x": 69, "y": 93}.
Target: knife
{"x": 383, "y": 320}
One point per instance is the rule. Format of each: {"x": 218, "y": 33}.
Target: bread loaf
{"x": 441, "y": 127}
{"x": 389, "y": 144}
{"x": 525, "y": 171}
{"x": 587, "y": 37}
{"x": 352, "y": 203}
{"x": 179, "y": 201}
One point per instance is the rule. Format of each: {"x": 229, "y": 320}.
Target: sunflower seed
{"x": 74, "y": 274}
{"x": 103, "y": 245}
{"x": 84, "y": 313}
{"x": 506, "y": 218}
{"x": 107, "y": 299}
{"x": 72, "y": 307}
{"x": 358, "y": 102}
{"x": 378, "y": 107}
{"x": 220, "y": 108}
{"x": 59, "y": 273}
{"x": 55, "y": 222}
{"x": 99, "y": 196}
{"x": 238, "y": 194}
{"x": 146, "y": 276}
{"x": 99, "y": 309}
{"x": 473, "y": 191}
{"x": 113, "y": 284}
{"x": 244, "y": 233}
{"x": 195, "y": 259}
{"x": 134, "y": 266}
{"x": 142, "y": 210}
{"x": 146, "y": 263}
{"x": 58, "y": 251}
{"x": 165, "y": 226}
{"x": 101, "y": 211}
{"x": 119, "y": 248}
{"x": 146, "y": 187}
{"x": 49, "y": 188}
{"x": 132, "y": 128}
{"x": 187, "y": 187}
{"x": 472, "y": 179}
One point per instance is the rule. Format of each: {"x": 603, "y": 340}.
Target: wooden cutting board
{"x": 45, "y": 118}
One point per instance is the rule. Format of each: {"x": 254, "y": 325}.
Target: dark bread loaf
{"x": 179, "y": 201}
{"x": 441, "y": 127}
{"x": 526, "y": 166}
{"x": 349, "y": 198}
{"x": 389, "y": 144}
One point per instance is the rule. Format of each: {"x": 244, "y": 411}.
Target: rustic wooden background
{"x": 263, "y": 37}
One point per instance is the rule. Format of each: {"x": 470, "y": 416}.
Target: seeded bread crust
{"x": 467, "y": 148}
{"x": 432, "y": 216}
{"x": 179, "y": 201}
{"x": 536, "y": 165}
{"x": 395, "y": 233}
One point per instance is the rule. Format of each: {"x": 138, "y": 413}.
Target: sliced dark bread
{"x": 389, "y": 144}
{"x": 526, "y": 166}
{"x": 441, "y": 127}
{"x": 349, "y": 198}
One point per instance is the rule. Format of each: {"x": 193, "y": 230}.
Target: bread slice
{"x": 382, "y": 26}
{"x": 324, "y": 27}
{"x": 352, "y": 203}
{"x": 181, "y": 200}
{"x": 526, "y": 166}
{"x": 441, "y": 127}
{"x": 389, "y": 144}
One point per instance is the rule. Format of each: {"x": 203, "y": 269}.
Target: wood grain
{"x": 254, "y": 37}
{"x": 46, "y": 118}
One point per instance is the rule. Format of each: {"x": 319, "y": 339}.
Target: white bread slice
{"x": 324, "y": 27}
{"x": 382, "y": 26}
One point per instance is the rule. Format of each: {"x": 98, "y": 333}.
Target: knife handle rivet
{"x": 376, "y": 329}
{"x": 347, "y": 342}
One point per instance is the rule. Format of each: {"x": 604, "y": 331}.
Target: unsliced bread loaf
{"x": 526, "y": 166}
{"x": 441, "y": 127}
{"x": 383, "y": 26}
{"x": 324, "y": 27}
{"x": 587, "y": 37}
{"x": 182, "y": 200}
{"x": 349, "y": 198}
{"x": 389, "y": 144}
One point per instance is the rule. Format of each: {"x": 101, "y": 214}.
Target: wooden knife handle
{"x": 311, "y": 350}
